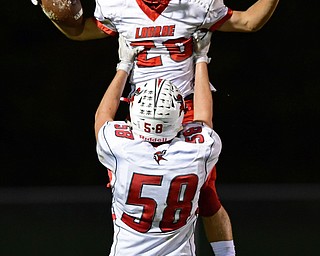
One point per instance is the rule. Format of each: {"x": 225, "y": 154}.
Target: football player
{"x": 164, "y": 28}
{"x": 157, "y": 165}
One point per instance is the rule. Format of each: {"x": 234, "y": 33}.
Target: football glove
{"x": 201, "y": 45}
{"x": 127, "y": 54}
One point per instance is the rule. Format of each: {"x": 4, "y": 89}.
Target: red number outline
{"x": 179, "y": 50}
{"x": 179, "y": 202}
{"x": 193, "y": 135}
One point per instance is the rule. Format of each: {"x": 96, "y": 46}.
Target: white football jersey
{"x": 165, "y": 34}
{"x": 156, "y": 189}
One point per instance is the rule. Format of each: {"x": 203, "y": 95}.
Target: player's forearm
{"x": 259, "y": 13}
{"x": 63, "y": 16}
{"x": 109, "y": 104}
{"x": 68, "y": 17}
{"x": 202, "y": 95}
{"x": 251, "y": 20}
{"x": 218, "y": 226}
{"x": 83, "y": 32}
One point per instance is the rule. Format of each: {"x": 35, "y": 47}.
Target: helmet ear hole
{"x": 156, "y": 111}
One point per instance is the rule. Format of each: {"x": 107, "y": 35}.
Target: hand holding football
{"x": 64, "y": 12}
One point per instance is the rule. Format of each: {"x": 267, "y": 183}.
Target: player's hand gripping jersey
{"x": 156, "y": 189}
{"x": 165, "y": 32}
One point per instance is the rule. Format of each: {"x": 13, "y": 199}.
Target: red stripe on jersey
{"x": 110, "y": 178}
{"x": 105, "y": 29}
{"x": 113, "y": 216}
{"x": 223, "y": 20}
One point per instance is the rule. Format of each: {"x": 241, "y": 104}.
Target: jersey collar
{"x": 153, "y": 13}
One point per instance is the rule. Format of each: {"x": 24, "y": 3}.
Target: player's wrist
{"x": 223, "y": 248}
{"x": 127, "y": 54}
{"x": 205, "y": 59}
{"x": 125, "y": 66}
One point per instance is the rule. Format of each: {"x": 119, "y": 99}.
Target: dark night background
{"x": 266, "y": 111}
{"x": 266, "y": 108}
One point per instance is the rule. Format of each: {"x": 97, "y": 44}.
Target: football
{"x": 64, "y": 12}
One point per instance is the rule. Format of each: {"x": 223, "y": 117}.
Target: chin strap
{"x": 125, "y": 99}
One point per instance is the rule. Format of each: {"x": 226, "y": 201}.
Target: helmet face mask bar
{"x": 156, "y": 111}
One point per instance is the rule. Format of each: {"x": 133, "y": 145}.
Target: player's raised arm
{"x": 251, "y": 20}
{"x": 110, "y": 102}
{"x": 68, "y": 17}
{"x": 88, "y": 30}
{"x": 202, "y": 100}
